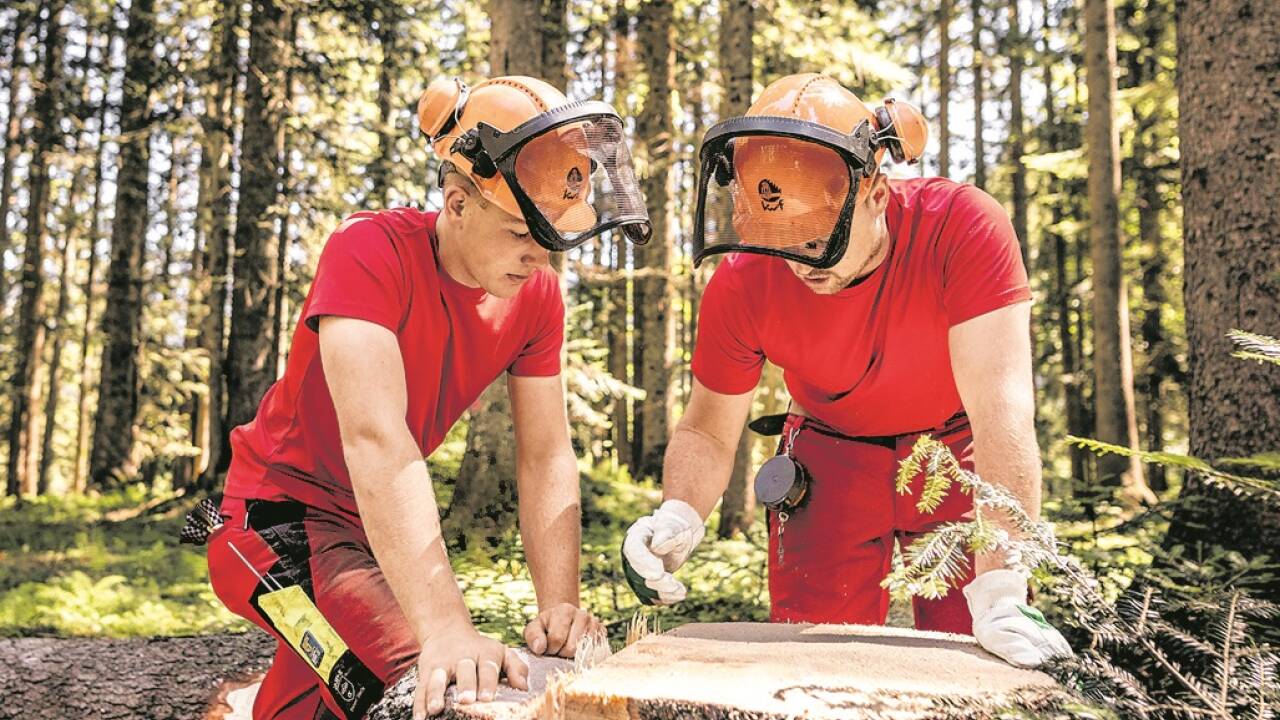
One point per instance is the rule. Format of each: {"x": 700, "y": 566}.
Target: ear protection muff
{"x": 902, "y": 130}
{"x": 439, "y": 108}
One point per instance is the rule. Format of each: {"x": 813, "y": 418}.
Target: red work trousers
{"x": 838, "y": 546}
{"x": 309, "y": 578}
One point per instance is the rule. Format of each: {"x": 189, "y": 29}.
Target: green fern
{"x": 1210, "y": 473}
{"x": 1255, "y": 347}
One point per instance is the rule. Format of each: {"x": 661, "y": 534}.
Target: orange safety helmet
{"x": 536, "y": 155}
{"x": 793, "y": 165}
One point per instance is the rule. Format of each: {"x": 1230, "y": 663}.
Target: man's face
{"x": 865, "y": 242}
{"x": 498, "y": 250}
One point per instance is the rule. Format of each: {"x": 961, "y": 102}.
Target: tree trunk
{"x": 737, "y": 508}
{"x": 484, "y": 498}
{"x": 55, "y": 363}
{"x": 555, "y": 70}
{"x": 30, "y": 327}
{"x": 1229, "y": 223}
{"x": 979, "y": 88}
{"x": 944, "y": 88}
{"x": 251, "y": 351}
{"x": 655, "y": 320}
{"x": 1115, "y": 420}
{"x": 12, "y": 144}
{"x": 80, "y": 471}
{"x": 1018, "y": 178}
{"x": 280, "y": 333}
{"x": 213, "y": 212}
{"x": 113, "y": 436}
{"x": 619, "y": 307}
{"x": 380, "y": 169}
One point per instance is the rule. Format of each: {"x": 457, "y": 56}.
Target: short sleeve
{"x": 541, "y": 355}
{"x": 360, "y": 275}
{"x": 982, "y": 266}
{"x": 727, "y": 357}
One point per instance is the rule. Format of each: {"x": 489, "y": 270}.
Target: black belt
{"x": 770, "y": 425}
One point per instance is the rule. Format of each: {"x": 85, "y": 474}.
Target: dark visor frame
{"x": 716, "y": 165}
{"x": 498, "y": 150}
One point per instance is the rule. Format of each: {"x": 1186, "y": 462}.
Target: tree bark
{"x": 251, "y": 350}
{"x": 213, "y": 212}
{"x": 84, "y": 414}
{"x": 1229, "y": 224}
{"x": 737, "y": 508}
{"x": 619, "y": 307}
{"x": 1115, "y": 420}
{"x": 484, "y": 498}
{"x": 380, "y": 169}
{"x": 944, "y": 88}
{"x": 12, "y": 143}
{"x": 1018, "y": 178}
{"x": 979, "y": 90}
{"x": 655, "y": 321}
{"x": 118, "y": 391}
{"x": 55, "y": 358}
{"x": 23, "y": 420}
{"x": 107, "y": 679}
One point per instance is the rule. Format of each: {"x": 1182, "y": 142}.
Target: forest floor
{"x": 110, "y": 565}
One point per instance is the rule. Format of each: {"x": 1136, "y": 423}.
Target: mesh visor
{"x": 579, "y": 178}
{"x": 776, "y": 195}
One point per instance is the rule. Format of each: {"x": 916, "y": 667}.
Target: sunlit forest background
{"x": 172, "y": 169}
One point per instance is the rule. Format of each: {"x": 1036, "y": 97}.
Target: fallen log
{"x": 172, "y": 678}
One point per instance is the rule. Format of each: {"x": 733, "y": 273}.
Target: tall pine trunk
{"x": 118, "y": 390}
{"x": 1115, "y": 420}
{"x": 737, "y": 509}
{"x": 484, "y": 497}
{"x": 23, "y": 419}
{"x": 251, "y": 350}
{"x": 1230, "y": 216}
{"x": 1018, "y": 178}
{"x": 213, "y": 221}
{"x": 654, "y": 309}
{"x": 12, "y": 142}
{"x": 979, "y": 92}
{"x": 944, "y": 88}
{"x": 618, "y": 299}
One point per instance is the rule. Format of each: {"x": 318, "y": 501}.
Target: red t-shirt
{"x": 455, "y": 340}
{"x": 872, "y": 359}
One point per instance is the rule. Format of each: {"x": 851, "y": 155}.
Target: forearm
{"x": 551, "y": 526}
{"x": 1007, "y": 455}
{"x": 696, "y": 468}
{"x": 398, "y": 508}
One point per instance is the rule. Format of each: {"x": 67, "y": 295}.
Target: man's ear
{"x": 455, "y": 200}
{"x": 875, "y": 193}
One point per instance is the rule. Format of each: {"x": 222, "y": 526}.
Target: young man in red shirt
{"x": 894, "y": 308}
{"x": 331, "y": 536}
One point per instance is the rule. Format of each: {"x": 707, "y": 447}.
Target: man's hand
{"x": 1006, "y": 626}
{"x": 472, "y": 661}
{"x": 655, "y": 546}
{"x": 557, "y": 630}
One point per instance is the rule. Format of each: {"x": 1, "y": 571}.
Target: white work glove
{"x": 1006, "y": 626}
{"x": 655, "y": 546}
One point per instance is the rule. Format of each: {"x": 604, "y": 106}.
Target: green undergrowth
{"x": 110, "y": 565}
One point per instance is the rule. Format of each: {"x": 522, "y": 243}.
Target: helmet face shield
{"x": 570, "y": 172}
{"x": 779, "y": 186}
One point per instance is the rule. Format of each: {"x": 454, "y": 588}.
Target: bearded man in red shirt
{"x": 330, "y": 538}
{"x": 894, "y": 308}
